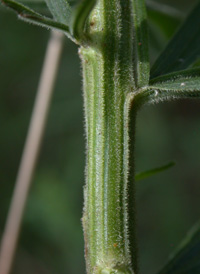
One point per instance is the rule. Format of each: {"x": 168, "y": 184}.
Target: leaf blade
{"x": 180, "y": 80}
{"x": 183, "y": 49}
{"x": 154, "y": 171}
{"x": 177, "y": 85}
{"x": 185, "y": 259}
{"x": 36, "y": 5}
{"x": 164, "y": 9}
{"x": 60, "y": 9}
{"x": 164, "y": 17}
{"x": 29, "y": 15}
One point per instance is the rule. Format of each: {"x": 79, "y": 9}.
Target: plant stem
{"x": 109, "y": 216}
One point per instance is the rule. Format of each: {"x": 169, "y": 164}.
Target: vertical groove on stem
{"x": 30, "y": 153}
{"x": 108, "y": 218}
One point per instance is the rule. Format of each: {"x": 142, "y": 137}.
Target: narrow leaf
{"x": 181, "y": 81}
{"x": 37, "y": 5}
{"x": 164, "y": 9}
{"x": 60, "y": 10}
{"x": 79, "y": 17}
{"x": 164, "y": 17}
{"x": 154, "y": 171}
{"x": 157, "y": 40}
{"x": 33, "y": 17}
{"x": 33, "y": 3}
{"x": 181, "y": 84}
{"x": 141, "y": 43}
{"x": 183, "y": 49}
{"x": 186, "y": 259}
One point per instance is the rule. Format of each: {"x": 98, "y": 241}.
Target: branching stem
{"x": 109, "y": 86}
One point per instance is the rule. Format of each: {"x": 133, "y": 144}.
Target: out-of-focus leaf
{"x": 154, "y": 171}
{"x": 33, "y": 17}
{"x": 163, "y": 9}
{"x": 141, "y": 43}
{"x": 60, "y": 9}
{"x": 163, "y": 20}
{"x": 166, "y": 23}
{"x": 186, "y": 259}
{"x": 183, "y": 49}
{"x": 157, "y": 41}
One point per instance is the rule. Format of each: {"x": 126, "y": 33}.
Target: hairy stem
{"x": 108, "y": 220}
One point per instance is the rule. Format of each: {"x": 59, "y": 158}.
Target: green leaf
{"x": 36, "y": 18}
{"x": 141, "y": 43}
{"x": 79, "y": 16}
{"x": 161, "y": 27}
{"x": 164, "y": 17}
{"x": 36, "y": 5}
{"x": 33, "y": 3}
{"x": 186, "y": 259}
{"x": 164, "y": 9}
{"x": 60, "y": 10}
{"x": 177, "y": 85}
{"x": 154, "y": 171}
{"x": 185, "y": 80}
{"x": 157, "y": 40}
{"x": 183, "y": 49}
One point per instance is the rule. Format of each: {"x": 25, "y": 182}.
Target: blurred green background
{"x": 51, "y": 238}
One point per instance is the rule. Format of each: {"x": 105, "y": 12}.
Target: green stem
{"x": 108, "y": 219}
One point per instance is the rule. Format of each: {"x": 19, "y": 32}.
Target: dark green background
{"x": 51, "y": 239}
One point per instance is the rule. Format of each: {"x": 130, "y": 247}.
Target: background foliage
{"x": 168, "y": 204}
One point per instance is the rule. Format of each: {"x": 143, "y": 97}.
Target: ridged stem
{"x": 108, "y": 220}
